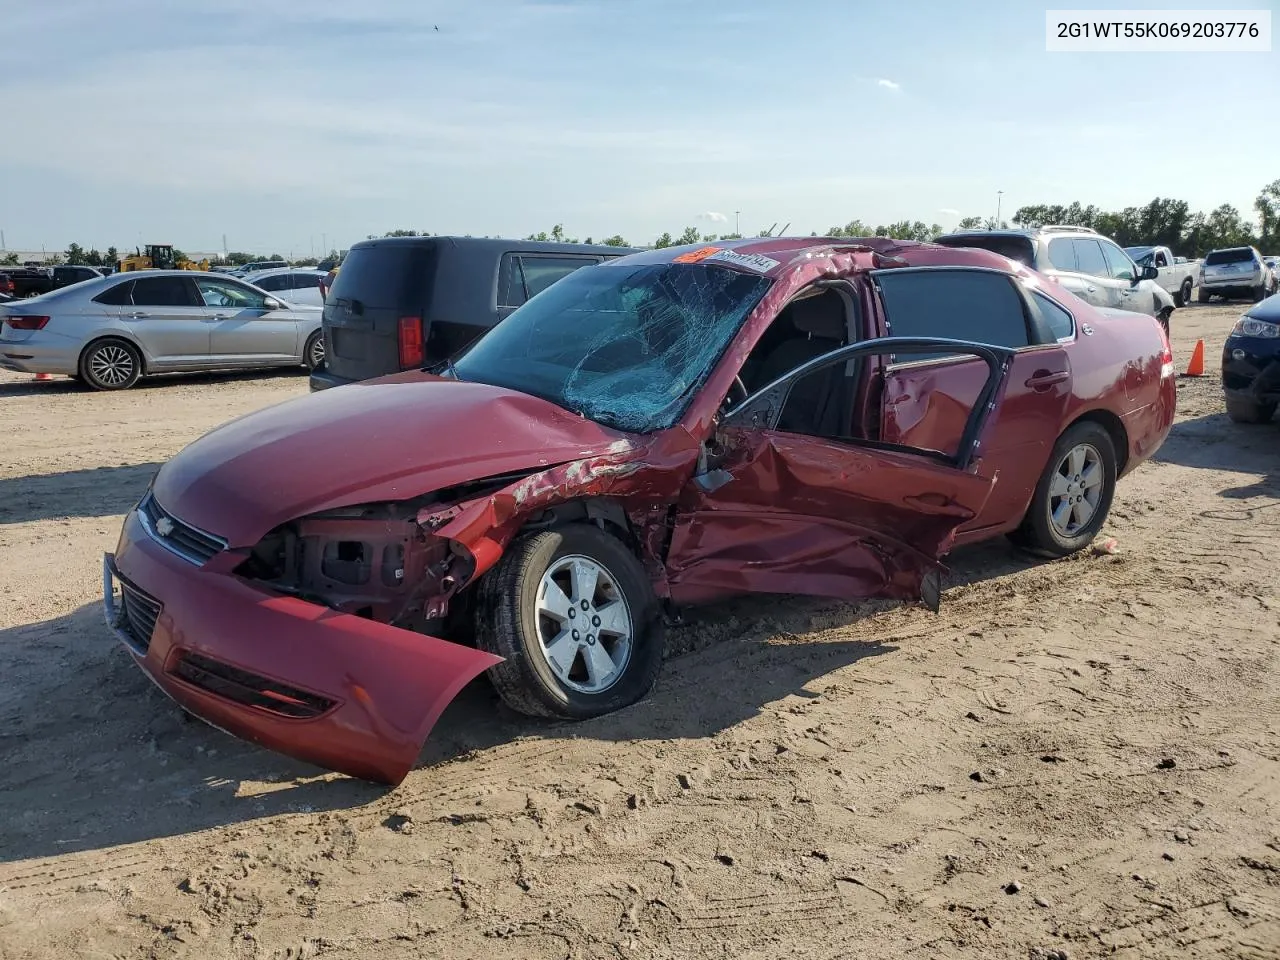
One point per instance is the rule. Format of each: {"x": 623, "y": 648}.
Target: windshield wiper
{"x": 443, "y": 367}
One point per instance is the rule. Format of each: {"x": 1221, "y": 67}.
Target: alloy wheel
{"x": 585, "y": 628}
{"x": 1076, "y": 490}
{"x": 111, "y": 365}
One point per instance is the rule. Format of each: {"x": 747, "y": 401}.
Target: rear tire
{"x": 1202, "y": 295}
{"x": 1259, "y": 293}
{"x": 1065, "y": 513}
{"x": 111, "y": 364}
{"x": 1246, "y": 411}
{"x": 1184, "y": 293}
{"x": 1164, "y": 318}
{"x": 550, "y": 666}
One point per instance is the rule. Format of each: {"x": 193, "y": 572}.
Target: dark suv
{"x": 399, "y": 303}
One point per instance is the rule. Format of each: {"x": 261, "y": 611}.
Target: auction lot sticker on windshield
{"x": 1158, "y": 31}
{"x": 752, "y": 261}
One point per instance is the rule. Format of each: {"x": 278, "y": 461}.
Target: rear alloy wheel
{"x": 1247, "y": 411}
{"x": 572, "y": 613}
{"x": 111, "y": 365}
{"x": 313, "y": 354}
{"x": 1184, "y": 293}
{"x": 1074, "y": 495}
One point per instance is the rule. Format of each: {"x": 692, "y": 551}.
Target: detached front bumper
{"x": 329, "y": 688}
{"x": 1251, "y": 369}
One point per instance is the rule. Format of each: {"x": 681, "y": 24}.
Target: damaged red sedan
{"x": 801, "y": 416}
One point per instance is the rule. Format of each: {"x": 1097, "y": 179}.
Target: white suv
{"x": 1235, "y": 272}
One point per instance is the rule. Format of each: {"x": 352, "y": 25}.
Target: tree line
{"x": 1162, "y": 221}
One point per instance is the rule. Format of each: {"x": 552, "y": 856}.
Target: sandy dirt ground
{"x": 1072, "y": 759}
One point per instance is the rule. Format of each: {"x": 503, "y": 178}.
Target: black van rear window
{"x": 386, "y": 276}
{"x": 1015, "y": 248}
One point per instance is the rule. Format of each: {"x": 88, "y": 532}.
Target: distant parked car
{"x": 1235, "y": 272}
{"x": 1091, "y": 266}
{"x": 65, "y": 276}
{"x": 6, "y": 285}
{"x": 258, "y": 266}
{"x": 297, "y": 285}
{"x": 1251, "y": 364}
{"x": 402, "y": 302}
{"x": 113, "y": 330}
{"x": 29, "y": 281}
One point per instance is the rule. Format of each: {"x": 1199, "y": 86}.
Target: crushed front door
{"x": 779, "y": 512}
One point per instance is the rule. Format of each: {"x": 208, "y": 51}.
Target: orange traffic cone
{"x": 1196, "y": 367}
{"x": 44, "y": 376}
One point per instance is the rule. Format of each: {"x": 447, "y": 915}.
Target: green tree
{"x": 93, "y": 258}
{"x": 75, "y": 255}
{"x": 111, "y": 257}
{"x": 615, "y": 241}
{"x": 690, "y": 235}
{"x": 663, "y": 241}
{"x": 1268, "y": 206}
{"x": 589, "y": 241}
{"x": 969, "y": 223}
{"x": 179, "y": 256}
{"x": 854, "y": 228}
{"x": 10, "y": 260}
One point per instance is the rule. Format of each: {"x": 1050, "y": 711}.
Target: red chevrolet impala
{"x": 804, "y": 416}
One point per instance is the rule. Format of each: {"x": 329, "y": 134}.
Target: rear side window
{"x": 1015, "y": 248}
{"x": 527, "y": 276}
{"x": 164, "y": 292}
{"x": 117, "y": 296}
{"x": 305, "y": 281}
{"x": 1089, "y": 258}
{"x": 1238, "y": 255}
{"x": 963, "y": 304}
{"x": 389, "y": 276}
{"x": 1062, "y": 254}
{"x": 1056, "y": 318}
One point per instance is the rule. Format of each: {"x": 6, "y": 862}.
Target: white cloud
{"x": 713, "y": 217}
{"x": 888, "y": 84}
{"x": 950, "y": 212}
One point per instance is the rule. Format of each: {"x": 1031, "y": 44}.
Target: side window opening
{"x": 1059, "y": 321}
{"x": 822, "y": 403}
{"x": 975, "y": 305}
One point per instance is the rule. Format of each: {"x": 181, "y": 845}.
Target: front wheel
{"x": 313, "y": 353}
{"x": 574, "y": 616}
{"x": 1074, "y": 495}
{"x": 111, "y": 365}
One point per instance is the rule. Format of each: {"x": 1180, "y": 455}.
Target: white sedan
{"x": 296, "y": 284}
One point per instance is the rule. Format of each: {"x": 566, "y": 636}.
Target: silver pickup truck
{"x": 1177, "y": 275}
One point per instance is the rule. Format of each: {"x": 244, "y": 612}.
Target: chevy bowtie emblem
{"x": 164, "y": 526}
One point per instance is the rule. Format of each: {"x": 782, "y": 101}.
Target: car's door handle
{"x": 1044, "y": 379}
{"x": 1091, "y": 289}
{"x": 218, "y": 316}
{"x": 138, "y": 316}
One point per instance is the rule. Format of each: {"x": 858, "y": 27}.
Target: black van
{"x": 405, "y": 302}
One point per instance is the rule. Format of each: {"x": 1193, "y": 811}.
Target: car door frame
{"x": 229, "y": 323}
{"x": 1037, "y": 394}
{"x": 1130, "y": 287}
{"x": 715, "y": 546}
{"x": 158, "y": 327}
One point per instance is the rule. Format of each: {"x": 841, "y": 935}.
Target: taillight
{"x": 1166, "y": 352}
{"x": 410, "y": 337}
{"x": 26, "y": 323}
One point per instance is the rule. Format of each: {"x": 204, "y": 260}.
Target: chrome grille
{"x": 188, "y": 542}
{"x": 138, "y": 615}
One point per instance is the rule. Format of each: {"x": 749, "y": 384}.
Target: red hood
{"x": 388, "y": 439}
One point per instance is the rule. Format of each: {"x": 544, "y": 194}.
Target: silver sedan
{"x": 113, "y": 330}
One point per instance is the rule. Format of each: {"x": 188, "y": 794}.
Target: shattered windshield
{"x": 1142, "y": 256}
{"x": 624, "y": 345}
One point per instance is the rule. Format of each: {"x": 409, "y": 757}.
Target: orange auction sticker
{"x": 693, "y": 256}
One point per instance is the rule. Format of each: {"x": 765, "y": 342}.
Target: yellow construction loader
{"x": 159, "y": 256}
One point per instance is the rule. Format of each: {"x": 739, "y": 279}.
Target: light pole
{"x": 737, "y": 229}
{"x": 999, "y": 197}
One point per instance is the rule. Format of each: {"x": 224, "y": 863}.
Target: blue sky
{"x": 279, "y": 123}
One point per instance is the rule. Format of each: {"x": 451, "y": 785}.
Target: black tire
{"x": 507, "y": 624}
{"x": 127, "y": 360}
{"x": 1202, "y": 295}
{"x": 1184, "y": 293}
{"x": 1246, "y": 411}
{"x": 1038, "y": 533}
{"x": 1164, "y": 318}
{"x": 1260, "y": 293}
{"x": 313, "y": 352}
